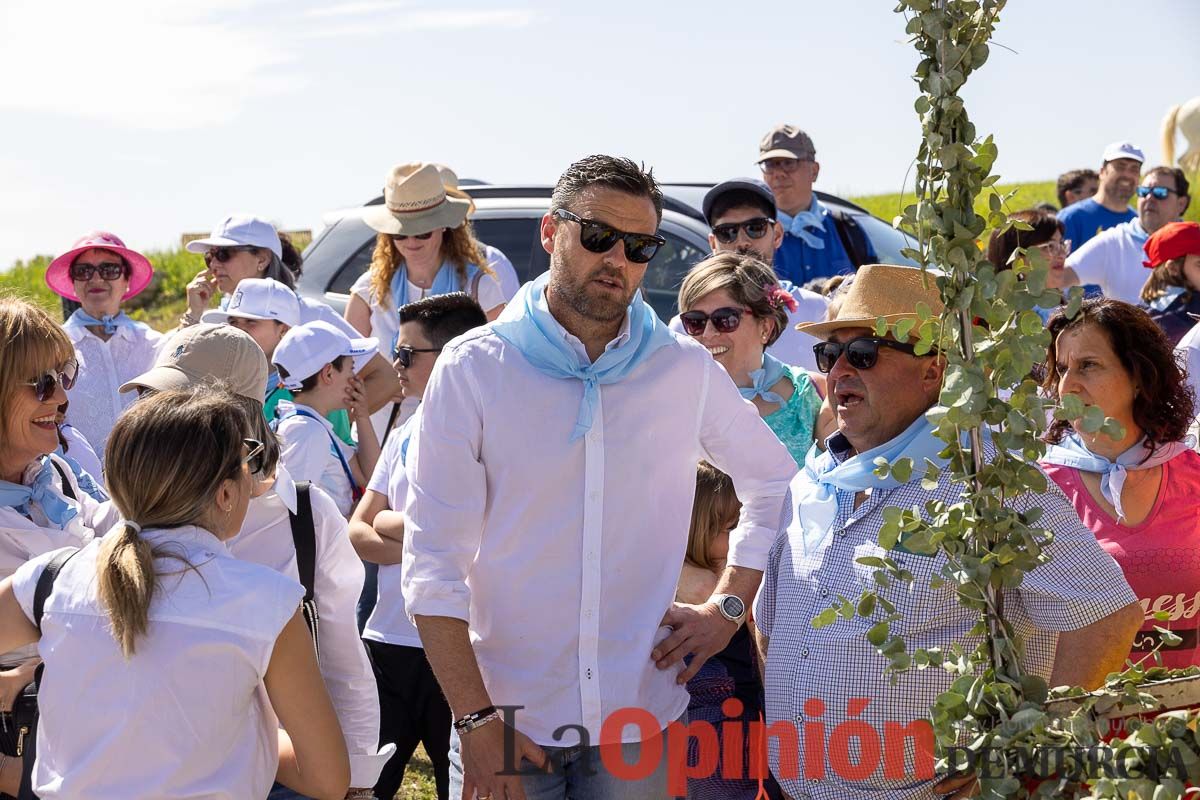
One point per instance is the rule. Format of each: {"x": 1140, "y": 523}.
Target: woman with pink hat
{"x": 100, "y": 272}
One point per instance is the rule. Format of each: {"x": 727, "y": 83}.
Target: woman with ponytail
{"x": 187, "y": 659}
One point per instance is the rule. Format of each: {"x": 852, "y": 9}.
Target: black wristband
{"x": 467, "y": 722}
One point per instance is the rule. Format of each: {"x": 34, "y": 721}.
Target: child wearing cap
{"x": 317, "y": 362}
{"x": 1172, "y": 292}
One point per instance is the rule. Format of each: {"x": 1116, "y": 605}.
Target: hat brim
{"x": 781, "y": 153}
{"x": 161, "y": 379}
{"x": 219, "y": 317}
{"x": 449, "y": 214}
{"x": 821, "y": 330}
{"x": 58, "y": 274}
{"x": 455, "y": 192}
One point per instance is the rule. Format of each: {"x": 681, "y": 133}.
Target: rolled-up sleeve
{"x": 447, "y": 493}
{"x": 736, "y": 441}
{"x": 1081, "y": 583}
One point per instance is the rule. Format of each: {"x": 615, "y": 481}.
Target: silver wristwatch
{"x": 731, "y": 607}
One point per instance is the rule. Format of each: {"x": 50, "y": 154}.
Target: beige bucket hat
{"x": 881, "y": 290}
{"x": 415, "y": 202}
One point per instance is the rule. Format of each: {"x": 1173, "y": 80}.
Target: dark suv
{"x": 507, "y": 218}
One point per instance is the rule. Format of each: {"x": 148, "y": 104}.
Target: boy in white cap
{"x": 316, "y": 361}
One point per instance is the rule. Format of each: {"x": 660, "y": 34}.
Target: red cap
{"x": 1173, "y": 240}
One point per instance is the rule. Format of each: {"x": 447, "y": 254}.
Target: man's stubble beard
{"x": 565, "y": 289}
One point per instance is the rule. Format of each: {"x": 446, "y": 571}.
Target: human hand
{"x": 13, "y": 682}
{"x": 483, "y": 762}
{"x": 958, "y": 787}
{"x": 356, "y": 399}
{"x": 200, "y": 291}
{"x": 697, "y": 630}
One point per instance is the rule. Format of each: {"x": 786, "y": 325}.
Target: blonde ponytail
{"x": 126, "y": 583}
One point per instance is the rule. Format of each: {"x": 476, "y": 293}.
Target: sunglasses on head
{"x": 1159, "y": 192}
{"x": 254, "y": 458}
{"x": 223, "y": 254}
{"x": 400, "y": 237}
{"x": 724, "y": 320}
{"x": 44, "y": 385}
{"x": 404, "y": 354}
{"x": 596, "y": 237}
{"x": 861, "y": 353}
{"x": 107, "y": 270}
{"x": 755, "y": 228}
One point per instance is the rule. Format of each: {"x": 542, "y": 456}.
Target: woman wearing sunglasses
{"x": 1172, "y": 292}
{"x": 1045, "y": 235}
{"x": 734, "y": 306}
{"x": 42, "y": 506}
{"x": 186, "y": 658}
{"x": 100, "y": 273}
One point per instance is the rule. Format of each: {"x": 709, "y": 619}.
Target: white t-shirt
{"x": 187, "y": 715}
{"x": 388, "y": 622}
{"x": 1112, "y": 260}
{"x": 504, "y": 269}
{"x": 1188, "y": 351}
{"x": 307, "y": 452}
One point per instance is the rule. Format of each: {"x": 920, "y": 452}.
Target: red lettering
{"x": 869, "y": 747}
{"x": 613, "y": 757}
{"x": 895, "y": 739}
{"x": 708, "y": 751}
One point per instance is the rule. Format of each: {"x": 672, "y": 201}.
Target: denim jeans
{"x": 578, "y": 774}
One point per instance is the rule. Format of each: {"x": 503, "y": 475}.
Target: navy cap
{"x": 751, "y": 185}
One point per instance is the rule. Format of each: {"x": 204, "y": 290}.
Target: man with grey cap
{"x": 811, "y": 247}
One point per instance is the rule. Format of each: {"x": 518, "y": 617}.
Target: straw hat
{"x": 881, "y": 290}
{"x": 450, "y": 183}
{"x": 415, "y": 202}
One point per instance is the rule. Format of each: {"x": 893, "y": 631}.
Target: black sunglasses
{"x": 596, "y": 237}
{"x": 724, "y": 320}
{"x": 755, "y": 228}
{"x": 861, "y": 353}
{"x": 108, "y": 270}
{"x": 223, "y": 254}
{"x": 43, "y": 385}
{"x": 400, "y": 237}
{"x": 254, "y": 460}
{"x": 1159, "y": 192}
{"x": 404, "y": 354}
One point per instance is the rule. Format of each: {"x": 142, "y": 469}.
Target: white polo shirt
{"x": 1188, "y": 351}
{"x": 1112, "y": 260}
{"x": 308, "y": 454}
{"x": 187, "y": 715}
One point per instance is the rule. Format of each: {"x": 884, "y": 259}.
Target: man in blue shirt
{"x": 1119, "y": 176}
{"x": 811, "y": 246}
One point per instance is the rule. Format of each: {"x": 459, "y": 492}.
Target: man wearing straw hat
{"x": 1076, "y": 613}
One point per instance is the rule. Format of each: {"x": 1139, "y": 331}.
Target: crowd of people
{"x": 271, "y": 552}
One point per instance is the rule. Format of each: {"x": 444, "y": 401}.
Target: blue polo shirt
{"x": 1083, "y": 220}
{"x": 799, "y": 263}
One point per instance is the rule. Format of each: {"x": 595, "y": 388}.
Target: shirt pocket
{"x": 921, "y": 608}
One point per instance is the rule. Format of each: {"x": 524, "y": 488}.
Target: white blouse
{"x": 187, "y": 715}
{"x": 103, "y": 367}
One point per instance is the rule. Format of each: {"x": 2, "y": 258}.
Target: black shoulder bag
{"x": 304, "y": 537}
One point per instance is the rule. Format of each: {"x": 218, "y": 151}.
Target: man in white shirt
{"x": 1188, "y": 353}
{"x": 551, "y": 477}
{"x": 1113, "y": 258}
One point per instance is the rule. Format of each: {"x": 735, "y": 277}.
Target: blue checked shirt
{"x": 1081, "y": 585}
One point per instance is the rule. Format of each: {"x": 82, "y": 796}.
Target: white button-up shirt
{"x": 187, "y": 715}
{"x": 564, "y": 555}
{"x": 266, "y": 538}
{"x": 103, "y": 367}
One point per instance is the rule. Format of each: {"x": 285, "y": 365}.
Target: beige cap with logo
{"x": 786, "y": 141}
{"x": 207, "y": 352}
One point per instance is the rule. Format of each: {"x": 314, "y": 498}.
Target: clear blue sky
{"x": 154, "y": 118}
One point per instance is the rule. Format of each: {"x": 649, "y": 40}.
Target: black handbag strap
{"x": 67, "y": 488}
{"x": 304, "y": 537}
{"x": 45, "y": 584}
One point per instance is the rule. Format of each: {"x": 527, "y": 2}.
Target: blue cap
{"x": 751, "y": 185}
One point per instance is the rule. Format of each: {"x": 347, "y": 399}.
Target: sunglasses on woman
{"x": 107, "y": 270}
{"x": 861, "y": 353}
{"x": 724, "y": 320}
{"x": 400, "y": 237}
{"x": 404, "y": 354}
{"x": 44, "y": 385}
{"x": 596, "y": 237}
{"x": 755, "y": 228}
{"x": 1159, "y": 192}
{"x": 254, "y": 458}
{"x": 223, "y": 254}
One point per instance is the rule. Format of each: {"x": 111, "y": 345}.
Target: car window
{"x": 516, "y": 237}
{"x": 887, "y": 241}
{"x": 666, "y": 271}
{"x": 356, "y": 265}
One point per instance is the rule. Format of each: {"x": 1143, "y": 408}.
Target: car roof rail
{"x": 481, "y": 190}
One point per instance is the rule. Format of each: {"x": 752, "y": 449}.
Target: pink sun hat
{"x": 58, "y": 274}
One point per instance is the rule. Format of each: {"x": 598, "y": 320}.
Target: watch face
{"x": 733, "y": 606}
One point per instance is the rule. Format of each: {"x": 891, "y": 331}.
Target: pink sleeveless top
{"x": 1160, "y": 557}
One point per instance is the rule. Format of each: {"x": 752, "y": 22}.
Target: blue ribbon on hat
{"x": 110, "y": 322}
{"x": 763, "y": 379}
{"x": 58, "y": 509}
{"x": 527, "y": 324}
{"x": 799, "y": 225}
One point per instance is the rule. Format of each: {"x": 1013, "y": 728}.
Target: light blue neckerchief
{"x": 799, "y": 225}
{"x": 814, "y": 492}
{"x": 527, "y": 324}
{"x": 58, "y": 509}
{"x": 1164, "y": 301}
{"x": 84, "y": 478}
{"x": 110, "y": 323}
{"x": 1072, "y": 452}
{"x": 272, "y": 384}
{"x": 445, "y": 282}
{"x": 764, "y": 378}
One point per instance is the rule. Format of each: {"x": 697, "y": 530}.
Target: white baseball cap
{"x": 1124, "y": 150}
{"x": 240, "y": 230}
{"x": 259, "y": 298}
{"x": 306, "y": 349}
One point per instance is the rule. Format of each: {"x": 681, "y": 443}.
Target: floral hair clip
{"x": 778, "y": 296}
